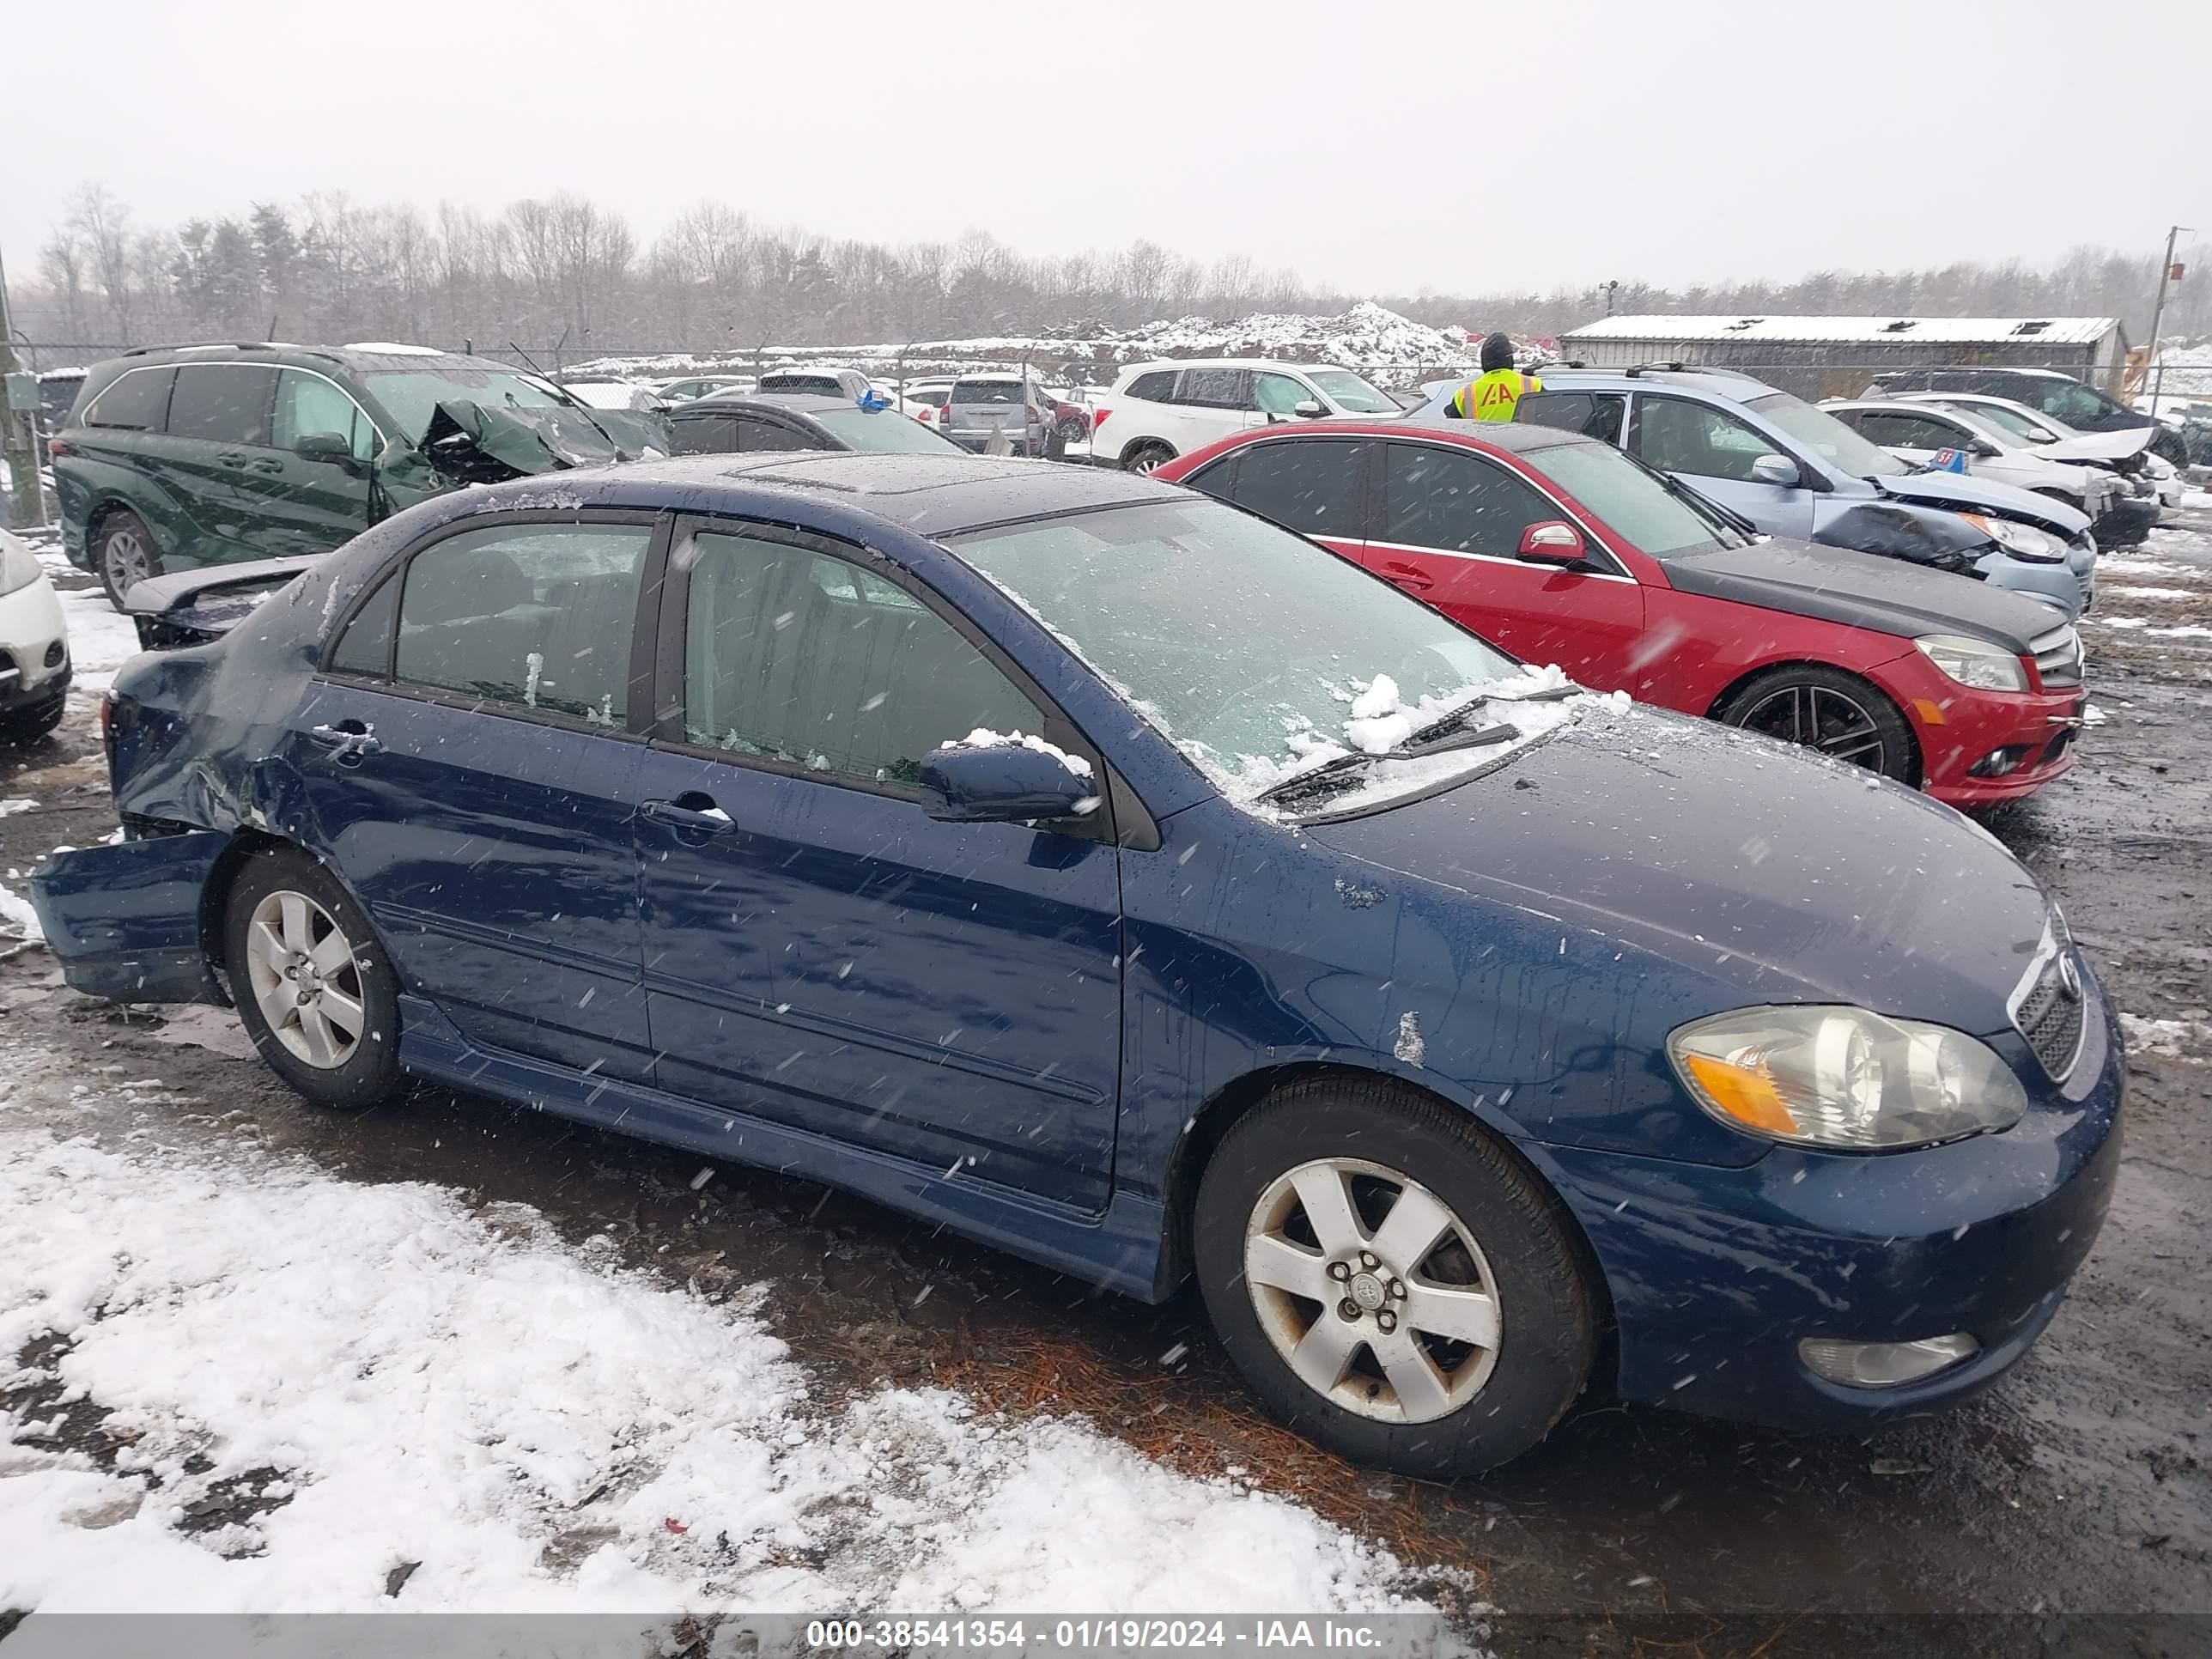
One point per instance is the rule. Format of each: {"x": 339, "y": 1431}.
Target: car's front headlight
{"x": 19, "y": 566}
{"x": 1843, "y": 1077}
{"x": 1974, "y": 662}
{"x": 2023, "y": 540}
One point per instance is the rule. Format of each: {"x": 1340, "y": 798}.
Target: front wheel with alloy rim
{"x": 1147, "y": 457}
{"x": 1825, "y": 709}
{"x": 312, "y": 987}
{"x": 125, "y": 554}
{"x": 1437, "y": 1323}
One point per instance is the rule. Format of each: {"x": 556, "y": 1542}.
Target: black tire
{"x": 1814, "y": 699}
{"x": 1529, "y": 1262}
{"x": 1145, "y": 456}
{"x": 124, "y": 552}
{"x": 370, "y": 1070}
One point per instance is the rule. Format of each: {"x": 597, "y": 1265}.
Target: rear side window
{"x": 1156, "y": 387}
{"x": 1217, "y": 388}
{"x": 1594, "y": 415}
{"x": 222, "y": 403}
{"x": 703, "y": 435}
{"x": 138, "y": 401}
{"x": 1311, "y": 485}
{"x": 989, "y": 392}
{"x": 533, "y": 615}
{"x": 1454, "y": 501}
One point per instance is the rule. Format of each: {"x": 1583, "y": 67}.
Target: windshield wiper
{"x": 1333, "y": 773}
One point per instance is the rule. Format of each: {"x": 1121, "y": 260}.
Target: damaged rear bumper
{"x": 128, "y": 921}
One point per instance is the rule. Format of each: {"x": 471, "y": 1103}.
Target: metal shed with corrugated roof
{"x": 1836, "y": 356}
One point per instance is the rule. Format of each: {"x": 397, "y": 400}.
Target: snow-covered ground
{"x": 310, "y": 1390}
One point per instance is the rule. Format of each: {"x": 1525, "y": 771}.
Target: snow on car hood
{"x": 1964, "y": 494}
{"x": 2098, "y": 446}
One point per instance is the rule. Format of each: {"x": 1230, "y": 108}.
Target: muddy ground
{"x": 2079, "y": 1486}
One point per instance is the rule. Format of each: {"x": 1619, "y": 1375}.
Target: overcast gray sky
{"x": 1383, "y": 147}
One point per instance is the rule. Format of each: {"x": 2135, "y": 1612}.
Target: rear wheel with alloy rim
{"x": 1437, "y": 1324}
{"x": 126, "y": 556}
{"x": 1147, "y": 457}
{"x": 1825, "y": 709}
{"x": 312, "y": 987}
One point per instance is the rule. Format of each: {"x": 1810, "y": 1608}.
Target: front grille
{"x": 2051, "y": 1018}
{"x": 2058, "y": 654}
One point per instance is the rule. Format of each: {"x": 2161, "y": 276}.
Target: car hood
{"x": 490, "y": 443}
{"x": 2098, "y": 446}
{"x": 1963, "y": 494}
{"x": 1783, "y": 876}
{"x": 1859, "y": 590}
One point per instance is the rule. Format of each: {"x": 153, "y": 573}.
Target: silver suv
{"x": 1004, "y": 403}
{"x": 1793, "y": 469}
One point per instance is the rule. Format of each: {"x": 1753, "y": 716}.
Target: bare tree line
{"x": 567, "y": 273}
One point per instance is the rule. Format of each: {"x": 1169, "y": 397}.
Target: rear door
{"x": 1210, "y": 403}
{"x": 1714, "y": 451}
{"x": 471, "y": 754}
{"x": 1450, "y": 526}
{"x": 214, "y": 453}
{"x": 818, "y": 950}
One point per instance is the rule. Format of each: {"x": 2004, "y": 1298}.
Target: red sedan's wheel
{"x": 1824, "y": 709}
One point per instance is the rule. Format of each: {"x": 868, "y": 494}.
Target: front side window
{"x": 2071, "y": 402}
{"x": 756, "y": 437}
{"x": 702, "y": 434}
{"x": 795, "y": 656}
{"x": 1352, "y": 393}
{"x": 1677, "y": 436}
{"x": 1899, "y": 431}
{"x": 309, "y": 406}
{"x": 1824, "y": 435}
{"x": 1216, "y": 388}
{"x": 1454, "y": 501}
{"x": 1160, "y": 598}
{"x": 136, "y": 402}
{"x": 1279, "y": 394}
{"x": 530, "y": 616}
{"x": 222, "y": 403}
{"x": 1311, "y": 485}
{"x": 1631, "y": 501}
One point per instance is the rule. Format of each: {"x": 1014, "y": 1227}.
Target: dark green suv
{"x": 177, "y": 456}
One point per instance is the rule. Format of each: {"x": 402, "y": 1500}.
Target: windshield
{"x": 1352, "y": 395}
{"x": 1828, "y": 437}
{"x": 412, "y": 395}
{"x": 1631, "y": 500}
{"x": 1160, "y": 599}
{"x": 882, "y": 432}
{"x": 1993, "y": 415}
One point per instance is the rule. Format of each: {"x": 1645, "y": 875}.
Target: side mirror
{"x": 330, "y": 446}
{"x": 1777, "y": 470}
{"x": 1308, "y": 410}
{"x": 1003, "y": 783}
{"x": 2039, "y": 436}
{"x": 1553, "y": 543}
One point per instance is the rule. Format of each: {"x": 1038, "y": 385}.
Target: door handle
{"x": 1406, "y": 577}
{"x": 350, "y": 742}
{"x": 692, "y": 813}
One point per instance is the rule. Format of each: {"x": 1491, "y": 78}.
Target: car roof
{"x": 1275, "y": 363}
{"x": 1979, "y": 368}
{"x": 933, "y": 495}
{"x": 369, "y": 357}
{"x": 1726, "y": 383}
{"x": 795, "y": 402}
{"x": 1511, "y": 436}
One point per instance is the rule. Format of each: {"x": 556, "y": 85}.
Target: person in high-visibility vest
{"x": 1493, "y": 394}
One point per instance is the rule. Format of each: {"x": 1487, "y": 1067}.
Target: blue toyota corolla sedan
{"x": 1117, "y": 878}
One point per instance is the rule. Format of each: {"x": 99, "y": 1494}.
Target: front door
{"x": 1713, "y": 452}
{"x": 820, "y": 952}
{"x": 312, "y": 506}
{"x": 469, "y": 760}
{"x": 1448, "y": 529}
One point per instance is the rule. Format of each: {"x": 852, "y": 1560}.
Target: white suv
{"x": 1157, "y": 411}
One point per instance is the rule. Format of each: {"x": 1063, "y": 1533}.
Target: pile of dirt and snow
{"x": 1367, "y": 337}
{"x": 236, "y": 1383}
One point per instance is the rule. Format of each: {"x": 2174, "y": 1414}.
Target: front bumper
{"x": 1716, "y": 1275}
{"x": 34, "y": 659}
{"x": 2128, "y": 521}
{"x": 1960, "y": 729}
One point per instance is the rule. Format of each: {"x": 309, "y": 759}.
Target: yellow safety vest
{"x": 1493, "y": 397}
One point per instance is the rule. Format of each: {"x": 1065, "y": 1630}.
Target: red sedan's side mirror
{"x": 1552, "y": 542}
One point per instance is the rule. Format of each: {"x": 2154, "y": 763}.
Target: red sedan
{"x": 1562, "y": 550}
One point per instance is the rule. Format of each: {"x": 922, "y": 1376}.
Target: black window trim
{"x": 1121, "y": 819}
{"x": 1609, "y": 567}
{"x": 637, "y": 718}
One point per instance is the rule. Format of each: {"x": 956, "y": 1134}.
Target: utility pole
{"x": 2158, "y": 315}
{"x": 18, "y": 436}
{"x": 1609, "y": 289}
